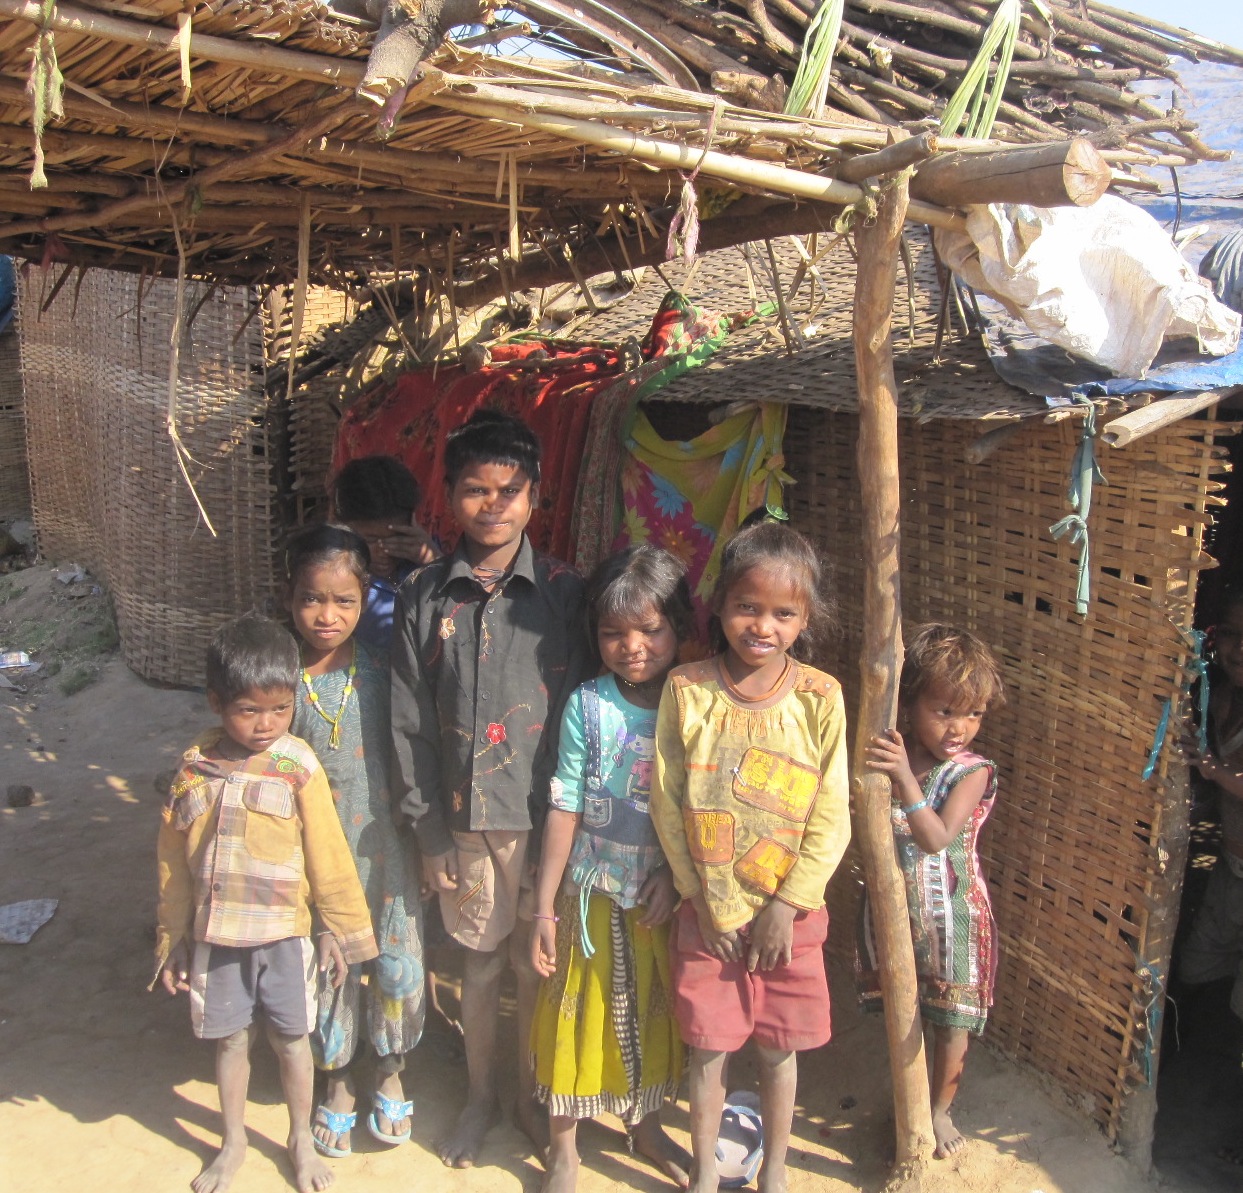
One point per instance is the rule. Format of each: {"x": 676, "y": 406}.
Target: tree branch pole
{"x": 877, "y": 248}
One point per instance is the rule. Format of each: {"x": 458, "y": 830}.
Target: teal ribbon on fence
{"x": 1196, "y": 669}
{"x": 1084, "y": 472}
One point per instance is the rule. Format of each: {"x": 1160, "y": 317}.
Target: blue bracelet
{"x": 923, "y": 803}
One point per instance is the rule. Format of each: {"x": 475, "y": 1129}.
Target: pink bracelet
{"x": 556, "y": 919}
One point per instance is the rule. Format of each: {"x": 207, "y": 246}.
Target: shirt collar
{"x": 460, "y": 566}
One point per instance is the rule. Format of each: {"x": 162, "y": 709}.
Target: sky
{"x": 1222, "y": 20}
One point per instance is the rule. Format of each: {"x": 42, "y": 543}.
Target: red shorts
{"x": 719, "y": 1006}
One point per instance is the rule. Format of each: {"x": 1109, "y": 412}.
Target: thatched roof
{"x": 236, "y": 131}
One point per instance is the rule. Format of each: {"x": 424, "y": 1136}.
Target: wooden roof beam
{"x": 265, "y": 57}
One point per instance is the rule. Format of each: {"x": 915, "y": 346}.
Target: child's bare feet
{"x": 561, "y": 1172}
{"x": 531, "y": 1118}
{"x": 949, "y": 1138}
{"x": 219, "y": 1174}
{"x": 461, "y": 1148}
{"x": 310, "y": 1173}
{"x": 708, "y": 1181}
{"x": 651, "y": 1141}
{"x": 772, "y": 1178}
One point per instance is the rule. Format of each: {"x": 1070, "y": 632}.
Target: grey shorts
{"x": 1214, "y": 947}
{"x": 228, "y": 986}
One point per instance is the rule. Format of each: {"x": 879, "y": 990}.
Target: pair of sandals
{"x": 342, "y": 1123}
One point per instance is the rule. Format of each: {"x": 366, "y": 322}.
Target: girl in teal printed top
{"x": 342, "y": 712}
{"x": 604, "y": 1036}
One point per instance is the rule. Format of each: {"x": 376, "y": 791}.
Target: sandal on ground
{"x": 392, "y": 1110}
{"x": 740, "y": 1143}
{"x": 339, "y": 1123}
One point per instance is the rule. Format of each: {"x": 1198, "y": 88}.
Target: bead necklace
{"x": 334, "y": 738}
{"x": 732, "y": 688}
{"x": 647, "y": 688}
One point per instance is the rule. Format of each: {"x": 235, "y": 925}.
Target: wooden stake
{"x": 880, "y": 664}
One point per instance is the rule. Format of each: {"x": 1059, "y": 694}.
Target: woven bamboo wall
{"x": 106, "y": 489}
{"x": 1082, "y": 855}
{"x": 14, "y": 476}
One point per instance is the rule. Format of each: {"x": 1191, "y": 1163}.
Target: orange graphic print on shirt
{"x": 765, "y": 864}
{"x": 777, "y": 784}
{"x": 709, "y": 836}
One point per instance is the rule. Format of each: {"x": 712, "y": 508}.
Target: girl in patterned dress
{"x": 942, "y": 794}
{"x": 342, "y": 712}
{"x": 604, "y": 1037}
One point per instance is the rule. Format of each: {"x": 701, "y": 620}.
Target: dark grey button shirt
{"x": 479, "y": 683}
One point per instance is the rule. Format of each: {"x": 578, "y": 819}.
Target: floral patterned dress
{"x": 387, "y": 1009}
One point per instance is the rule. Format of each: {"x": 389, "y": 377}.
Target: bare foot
{"x": 771, "y": 1180}
{"x": 310, "y": 1173}
{"x": 462, "y": 1146}
{"x": 340, "y": 1100}
{"x": 705, "y": 1182}
{"x": 651, "y": 1141}
{"x": 561, "y": 1174}
{"x": 219, "y": 1174}
{"x": 390, "y": 1088}
{"x": 949, "y": 1138}
{"x": 531, "y": 1118}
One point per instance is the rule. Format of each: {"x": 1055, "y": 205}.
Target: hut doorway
{"x": 1198, "y": 1133}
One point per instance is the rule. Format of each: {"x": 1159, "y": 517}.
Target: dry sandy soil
{"x": 103, "y": 1087}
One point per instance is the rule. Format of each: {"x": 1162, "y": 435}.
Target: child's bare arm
{"x": 175, "y": 972}
{"x": 331, "y": 959}
{"x": 1229, "y": 780}
{"x": 659, "y": 894}
{"x": 933, "y": 830}
{"x": 559, "y": 831}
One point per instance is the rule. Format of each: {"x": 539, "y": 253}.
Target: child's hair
{"x": 944, "y": 654}
{"x": 328, "y": 543}
{"x": 491, "y": 437}
{"x": 373, "y": 489}
{"x": 635, "y": 580}
{"x": 776, "y": 547}
{"x": 251, "y": 653}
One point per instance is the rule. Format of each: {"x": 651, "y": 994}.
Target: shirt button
{"x": 217, "y": 886}
{"x": 483, "y": 695}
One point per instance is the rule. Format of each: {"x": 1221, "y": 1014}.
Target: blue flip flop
{"x": 392, "y": 1110}
{"x": 339, "y": 1124}
{"x": 740, "y": 1143}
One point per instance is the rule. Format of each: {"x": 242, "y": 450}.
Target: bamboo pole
{"x": 264, "y": 57}
{"x": 1135, "y": 424}
{"x": 877, "y": 246}
{"x": 454, "y": 93}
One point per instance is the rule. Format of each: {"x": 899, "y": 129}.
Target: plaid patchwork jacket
{"x": 246, "y": 849}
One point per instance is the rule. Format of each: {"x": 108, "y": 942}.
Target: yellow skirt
{"x": 604, "y": 1037}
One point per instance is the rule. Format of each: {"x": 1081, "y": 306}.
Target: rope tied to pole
{"x": 45, "y": 86}
{"x": 1195, "y": 672}
{"x": 1084, "y": 472}
{"x": 684, "y": 227}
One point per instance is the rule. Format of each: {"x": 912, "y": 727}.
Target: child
{"x": 488, "y": 644}
{"x": 605, "y": 1038}
{"x": 943, "y": 794}
{"x": 750, "y": 801}
{"x": 342, "y": 713}
{"x": 248, "y": 843}
{"x": 377, "y": 497}
{"x": 1214, "y": 947}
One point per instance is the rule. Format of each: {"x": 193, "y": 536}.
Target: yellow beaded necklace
{"x": 334, "y": 739}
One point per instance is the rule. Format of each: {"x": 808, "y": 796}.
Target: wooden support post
{"x": 877, "y": 248}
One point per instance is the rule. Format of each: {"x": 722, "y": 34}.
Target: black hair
{"x": 635, "y": 580}
{"x": 328, "y": 543}
{"x": 251, "y": 653}
{"x": 491, "y": 437}
{"x": 776, "y": 547}
{"x": 375, "y": 489}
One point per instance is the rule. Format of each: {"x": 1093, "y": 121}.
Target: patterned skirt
{"x": 604, "y": 1038}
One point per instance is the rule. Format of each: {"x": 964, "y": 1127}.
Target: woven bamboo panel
{"x": 14, "y": 475}
{"x": 766, "y": 362}
{"x": 106, "y": 488}
{"x": 1076, "y": 851}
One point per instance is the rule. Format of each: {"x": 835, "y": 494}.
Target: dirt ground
{"x": 102, "y": 1085}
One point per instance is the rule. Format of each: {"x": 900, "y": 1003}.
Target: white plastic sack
{"x": 1104, "y": 282}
